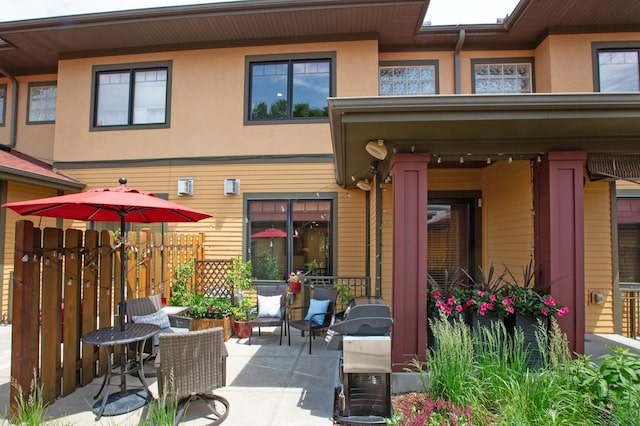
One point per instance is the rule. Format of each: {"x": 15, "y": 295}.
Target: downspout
{"x": 456, "y": 62}
{"x": 14, "y": 114}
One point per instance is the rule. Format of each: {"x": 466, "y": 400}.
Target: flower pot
{"x": 243, "y": 330}
{"x": 492, "y": 323}
{"x": 528, "y": 325}
{"x": 294, "y": 286}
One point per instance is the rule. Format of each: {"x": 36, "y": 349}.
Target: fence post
{"x": 24, "y": 340}
{"x": 71, "y": 337}
{"x": 89, "y": 311}
{"x": 106, "y": 291}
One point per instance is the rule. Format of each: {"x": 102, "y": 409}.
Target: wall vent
{"x": 185, "y": 186}
{"x": 232, "y": 187}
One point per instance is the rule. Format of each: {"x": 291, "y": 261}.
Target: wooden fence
{"x": 80, "y": 273}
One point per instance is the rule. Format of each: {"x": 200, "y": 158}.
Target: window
{"x": 408, "y": 78}
{"x": 131, "y": 95}
{"x": 292, "y": 88}
{"x": 42, "y": 103}
{"x": 619, "y": 70}
{"x": 3, "y": 102}
{"x": 502, "y": 76}
{"x": 287, "y": 235}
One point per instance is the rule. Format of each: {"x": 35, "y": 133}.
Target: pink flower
{"x": 436, "y": 295}
{"x": 472, "y": 302}
{"x": 510, "y": 309}
{"x": 447, "y": 310}
{"x": 550, "y": 301}
{"x": 459, "y": 308}
{"x": 544, "y": 311}
{"x": 480, "y": 293}
{"x": 492, "y": 298}
{"x": 563, "y": 311}
{"x": 507, "y": 301}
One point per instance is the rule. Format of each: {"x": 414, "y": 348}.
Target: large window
{"x": 618, "y": 70}
{"x": 131, "y": 96}
{"x": 291, "y": 88}
{"x": 409, "y": 78}
{"x": 495, "y": 76}
{"x": 3, "y": 102}
{"x": 289, "y": 235}
{"x": 42, "y": 103}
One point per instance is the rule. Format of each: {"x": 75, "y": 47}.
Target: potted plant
{"x": 208, "y": 312}
{"x": 295, "y": 282}
{"x": 239, "y": 278}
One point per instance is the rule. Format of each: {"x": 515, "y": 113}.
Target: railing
{"x": 348, "y": 287}
{"x": 630, "y": 296}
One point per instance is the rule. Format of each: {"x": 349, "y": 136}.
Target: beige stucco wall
{"x": 207, "y": 106}
{"x": 35, "y": 140}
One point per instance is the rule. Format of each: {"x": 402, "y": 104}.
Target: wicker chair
{"x": 296, "y": 316}
{"x": 192, "y": 365}
{"x": 266, "y": 321}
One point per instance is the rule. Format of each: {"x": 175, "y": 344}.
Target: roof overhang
{"x": 478, "y": 126}
{"x": 18, "y": 167}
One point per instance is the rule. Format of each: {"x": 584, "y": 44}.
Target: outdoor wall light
{"x": 377, "y": 149}
{"x": 364, "y": 185}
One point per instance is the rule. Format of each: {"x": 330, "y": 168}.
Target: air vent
{"x": 185, "y": 186}
{"x": 232, "y": 187}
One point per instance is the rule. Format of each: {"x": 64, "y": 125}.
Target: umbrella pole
{"x": 123, "y": 270}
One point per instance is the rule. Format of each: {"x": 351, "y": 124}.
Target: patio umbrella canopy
{"x": 270, "y": 233}
{"x": 119, "y": 204}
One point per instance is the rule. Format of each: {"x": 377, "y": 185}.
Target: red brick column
{"x": 559, "y": 235}
{"x": 409, "y": 172}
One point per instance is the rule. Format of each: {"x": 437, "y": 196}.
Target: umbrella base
{"x": 123, "y": 402}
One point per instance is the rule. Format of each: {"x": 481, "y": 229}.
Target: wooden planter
{"x": 203, "y": 323}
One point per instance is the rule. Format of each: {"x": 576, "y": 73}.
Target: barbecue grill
{"x": 363, "y": 392}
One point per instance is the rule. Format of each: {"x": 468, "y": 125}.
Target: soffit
{"x": 476, "y": 127}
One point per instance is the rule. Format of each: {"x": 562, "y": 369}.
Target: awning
{"x": 613, "y": 166}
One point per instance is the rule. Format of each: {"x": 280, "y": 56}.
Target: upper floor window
{"x": 494, "y": 76}
{"x": 131, "y": 95}
{"x": 408, "y": 78}
{"x": 290, "y": 88}
{"x": 42, "y": 102}
{"x": 619, "y": 70}
{"x": 3, "y": 102}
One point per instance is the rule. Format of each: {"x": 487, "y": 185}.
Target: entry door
{"x": 449, "y": 231}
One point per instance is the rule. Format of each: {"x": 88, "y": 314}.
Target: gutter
{"x": 456, "y": 62}
{"x": 14, "y": 112}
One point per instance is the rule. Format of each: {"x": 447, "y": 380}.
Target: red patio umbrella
{"x": 270, "y": 233}
{"x": 119, "y": 204}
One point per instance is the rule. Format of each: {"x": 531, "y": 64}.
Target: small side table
{"x": 127, "y": 399}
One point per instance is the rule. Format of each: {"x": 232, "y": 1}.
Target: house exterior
{"x": 522, "y": 135}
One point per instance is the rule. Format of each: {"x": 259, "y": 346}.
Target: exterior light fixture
{"x": 364, "y": 185}
{"x": 377, "y": 149}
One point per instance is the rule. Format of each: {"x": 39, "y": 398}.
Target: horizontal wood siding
{"x": 224, "y": 232}
{"x": 386, "y": 251}
{"x": 454, "y": 179}
{"x": 507, "y": 204}
{"x": 598, "y": 257}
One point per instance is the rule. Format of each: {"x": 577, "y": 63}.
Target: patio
{"x": 267, "y": 384}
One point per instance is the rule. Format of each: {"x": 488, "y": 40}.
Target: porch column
{"x": 409, "y": 172}
{"x": 559, "y": 235}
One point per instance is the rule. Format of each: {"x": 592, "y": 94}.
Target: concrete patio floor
{"x": 267, "y": 384}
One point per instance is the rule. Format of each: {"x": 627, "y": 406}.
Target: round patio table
{"x": 127, "y": 399}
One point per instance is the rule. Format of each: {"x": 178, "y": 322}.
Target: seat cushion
{"x": 317, "y": 307}
{"x": 159, "y": 318}
{"x": 269, "y": 306}
{"x": 168, "y": 330}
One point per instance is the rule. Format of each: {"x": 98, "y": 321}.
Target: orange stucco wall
{"x": 207, "y": 97}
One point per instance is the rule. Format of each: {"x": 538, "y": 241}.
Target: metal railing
{"x": 348, "y": 287}
{"x": 630, "y": 296}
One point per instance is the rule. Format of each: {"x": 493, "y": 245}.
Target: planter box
{"x": 204, "y": 323}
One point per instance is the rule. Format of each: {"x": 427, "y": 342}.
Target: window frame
{"x": 96, "y": 70}
{"x": 415, "y": 63}
{"x": 502, "y": 61}
{"x": 293, "y": 57}
{"x": 3, "y": 101}
{"x": 291, "y": 197}
{"x": 32, "y": 85}
{"x": 598, "y": 46}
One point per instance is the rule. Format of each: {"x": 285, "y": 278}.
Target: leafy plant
{"x": 30, "y": 410}
{"x": 162, "y": 410}
{"x": 447, "y": 296}
{"x": 239, "y": 274}
{"x": 241, "y": 309}
{"x": 182, "y": 276}
{"x": 270, "y": 266}
{"x": 209, "y": 307}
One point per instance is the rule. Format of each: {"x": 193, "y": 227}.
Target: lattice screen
{"x": 211, "y": 278}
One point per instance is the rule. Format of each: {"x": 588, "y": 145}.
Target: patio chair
{"x": 192, "y": 365}
{"x": 149, "y": 310}
{"x": 318, "y": 315}
{"x": 270, "y": 308}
